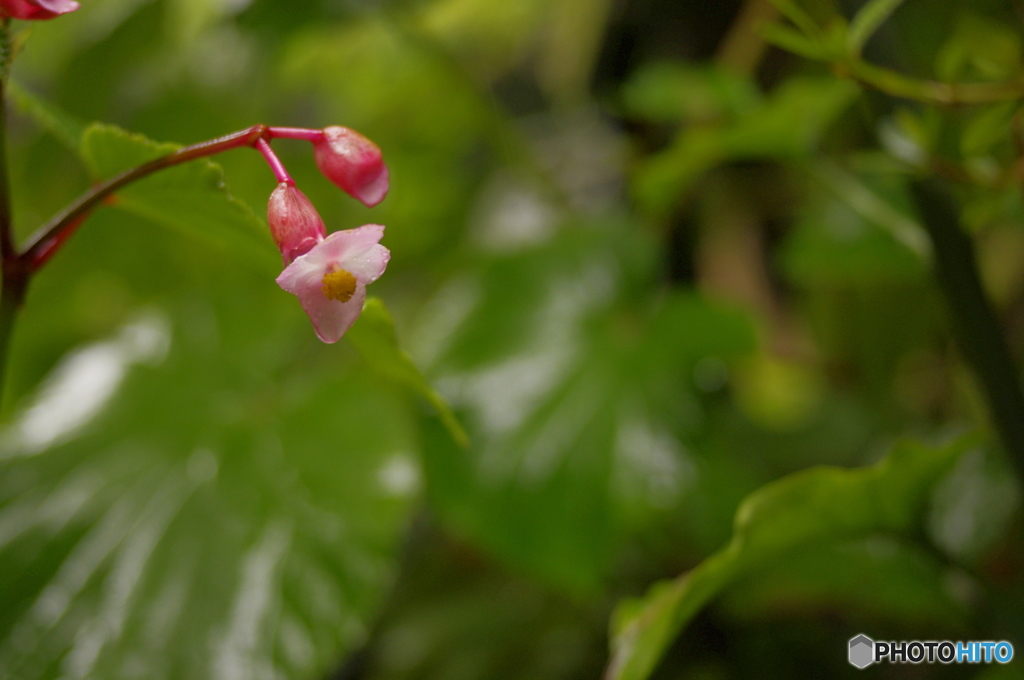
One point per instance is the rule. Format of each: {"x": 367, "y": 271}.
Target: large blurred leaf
{"x": 575, "y": 397}
{"x": 230, "y": 511}
{"x": 805, "y": 509}
{"x": 191, "y": 197}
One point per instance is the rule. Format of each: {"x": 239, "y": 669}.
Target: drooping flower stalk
{"x": 276, "y": 166}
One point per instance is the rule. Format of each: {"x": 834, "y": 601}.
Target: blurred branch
{"x": 743, "y": 46}
{"x": 975, "y": 325}
{"x": 813, "y": 42}
{"x": 896, "y": 84}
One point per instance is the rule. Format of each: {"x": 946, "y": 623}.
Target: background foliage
{"x": 659, "y": 258}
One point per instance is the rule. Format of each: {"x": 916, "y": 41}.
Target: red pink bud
{"x": 352, "y": 162}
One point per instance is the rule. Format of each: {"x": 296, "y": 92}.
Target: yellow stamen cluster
{"x": 339, "y": 285}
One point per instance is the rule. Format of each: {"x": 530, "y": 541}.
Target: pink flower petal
{"x": 358, "y": 252}
{"x": 331, "y": 319}
{"x": 34, "y": 10}
{"x": 355, "y": 250}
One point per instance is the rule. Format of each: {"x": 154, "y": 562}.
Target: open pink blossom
{"x": 352, "y": 162}
{"x": 330, "y": 280}
{"x": 36, "y": 9}
{"x": 294, "y": 223}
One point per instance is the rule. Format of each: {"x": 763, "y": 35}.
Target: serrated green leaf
{"x": 867, "y": 20}
{"x": 375, "y": 338}
{"x": 806, "y": 508}
{"x": 190, "y": 198}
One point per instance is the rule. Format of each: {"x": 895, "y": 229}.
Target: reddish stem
{"x": 48, "y": 237}
{"x": 275, "y": 163}
{"x": 304, "y": 134}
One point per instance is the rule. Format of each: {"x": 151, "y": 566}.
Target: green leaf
{"x": 375, "y": 338}
{"x": 867, "y": 20}
{"x": 228, "y": 513}
{"x": 677, "y": 92}
{"x": 190, "y": 198}
{"x": 788, "y": 125}
{"x": 804, "y": 509}
{"x": 979, "y": 49}
{"x": 792, "y": 121}
{"x": 879, "y": 577}
{"x": 575, "y": 399}
{"x": 66, "y": 128}
{"x": 990, "y": 126}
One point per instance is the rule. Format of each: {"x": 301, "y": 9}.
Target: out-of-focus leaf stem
{"x": 896, "y": 84}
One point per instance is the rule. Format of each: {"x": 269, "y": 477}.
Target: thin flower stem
{"x": 273, "y": 161}
{"x": 43, "y": 239}
{"x": 304, "y": 134}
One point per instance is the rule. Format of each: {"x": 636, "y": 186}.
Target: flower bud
{"x": 294, "y": 223}
{"x": 354, "y": 163}
{"x": 36, "y": 9}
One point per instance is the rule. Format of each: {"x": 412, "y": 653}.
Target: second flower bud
{"x": 294, "y": 223}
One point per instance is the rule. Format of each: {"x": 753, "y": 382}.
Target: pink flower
{"x": 36, "y": 9}
{"x": 330, "y": 280}
{"x": 352, "y": 162}
{"x": 294, "y": 223}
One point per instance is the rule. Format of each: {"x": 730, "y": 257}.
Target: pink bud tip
{"x": 34, "y": 10}
{"x": 352, "y": 162}
{"x": 330, "y": 280}
{"x": 294, "y": 223}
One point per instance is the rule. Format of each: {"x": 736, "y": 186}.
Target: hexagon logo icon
{"x": 862, "y": 651}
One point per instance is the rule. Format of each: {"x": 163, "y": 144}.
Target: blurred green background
{"x": 651, "y": 262}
